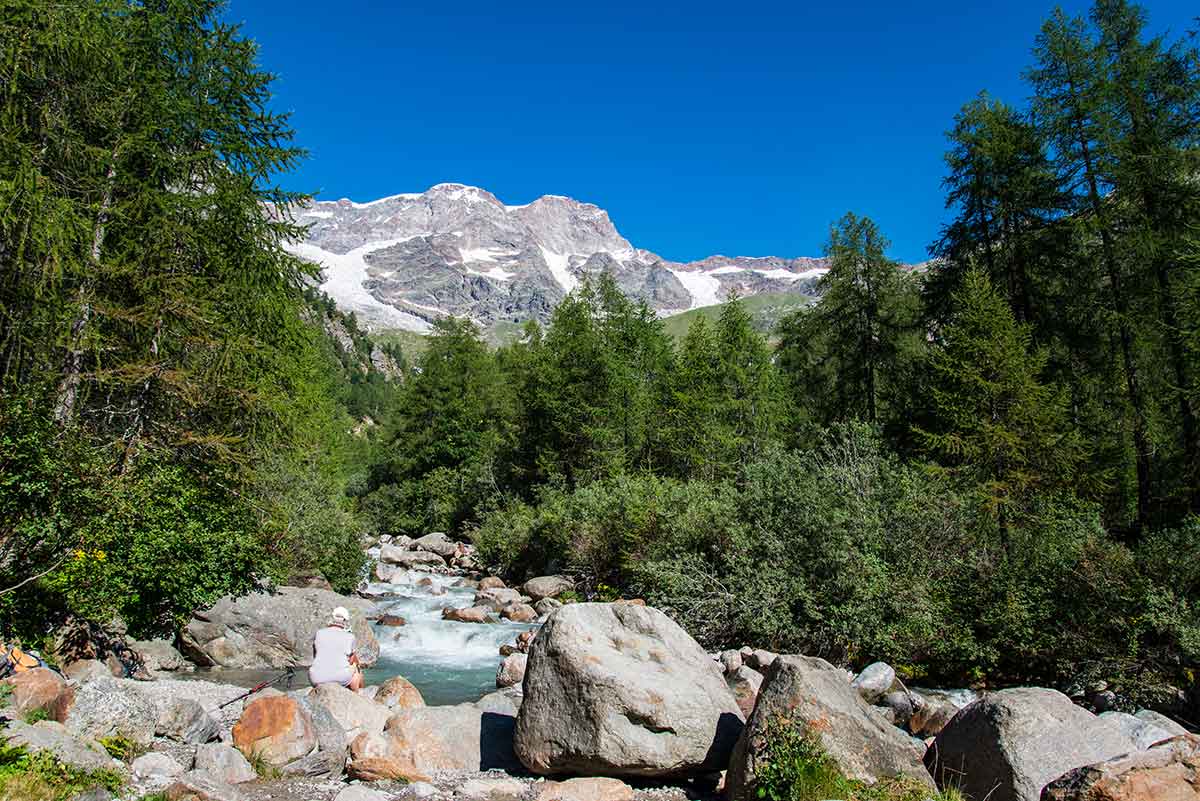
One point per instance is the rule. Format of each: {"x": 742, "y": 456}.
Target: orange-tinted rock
{"x": 491, "y": 583}
{"x": 519, "y": 613}
{"x": 591, "y": 789}
{"x": 391, "y": 620}
{"x": 471, "y": 614}
{"x": 40, "y": 690}
{"x": 1169, "y": 771}
{"x": 277, "y": 728}
{"x": 379, "y": 757}
{"x": 399, "y": 693}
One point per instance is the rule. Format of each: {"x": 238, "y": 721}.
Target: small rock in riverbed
{"x": 470, "y": 614}
{"x": 391, "y": 620}
{"x": 511, "y": 670}
{"x": 491, "y": 583}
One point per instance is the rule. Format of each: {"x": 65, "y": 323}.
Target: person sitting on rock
{"x": 334, "y": 659}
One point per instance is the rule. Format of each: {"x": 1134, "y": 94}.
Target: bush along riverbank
{"x": 590, "y": 700}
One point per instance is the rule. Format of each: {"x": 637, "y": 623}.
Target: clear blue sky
{"x": 739, "y": 128}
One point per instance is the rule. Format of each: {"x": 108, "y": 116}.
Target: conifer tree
{"x": 993, "y": 422}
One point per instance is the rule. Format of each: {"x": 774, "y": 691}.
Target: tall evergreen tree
{"x": 994, "y": 423}
{"x": 842, "y": 353}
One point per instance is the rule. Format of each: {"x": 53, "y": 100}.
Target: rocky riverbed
{"x": 482, "y": 691}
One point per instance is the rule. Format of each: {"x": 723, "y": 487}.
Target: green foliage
{"x": 121, "y": 747}
{"x": 262, "y": 766}
{"x": 40, "y": 777}
{"x": 794, "y": 767}
{"x": 991, "y": 420}
{"x": 844, "y": 357}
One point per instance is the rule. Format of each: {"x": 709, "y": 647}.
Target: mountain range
{"x": 405, "y": 260}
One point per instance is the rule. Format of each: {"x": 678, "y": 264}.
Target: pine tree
{"x": 993, "y": 422}
{"x": 1004, "y": 193}
{"x": 842, "y": 355}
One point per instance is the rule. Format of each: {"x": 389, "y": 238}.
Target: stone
{"x": 420, "y": 791}
{"x": 730, "y": 661}
{"x": 353, "y": 712}
{"x": 519, "y": 613}
{"x": 813, "y": 695}
{"x": 525, "y": 639}
{"x": 159, "y": 656}
{"x": 106, "y": 707}
{"x": 225, "y": 762}
{"x": 759, "y": 660}
{"x": 378, "y": 757}
{"x": 491, "y": 790}
{"x": 437, "y": 543}
{"x": 497, "y": 599}
{"x": 462, "y": 737}
{"x": 1010, "y": 744}
{"x": 745, "y": 684}
{"x": 277, "y": 728}
{"x": 79, "y": 752}
{"x": 1160, "y": 720}
{"x": 385, "y": 572}
{"x": 1141, "y": 733}
{"x": 587, "y": 789}
{"x": 357, "y": 792}
{"x": 932, "y": 710}
{"x": 332, "y": 744}
{"x": 547, "y": 607}
{"x": 84, "y": 670}
{"x": 399, "y": 693}
{"x": 391, "y": 620}
{"x": 1169, "y": 771}
{"x": 156, "y": 764}
{"x": 470, "y": 614}
{"x": 185, "y": 720}
{"x": 875, "y": 681}
{"x": 511, "y": 670}
{"x": 547, "y": 587}
{"x": 489, "y": 583}
{"x": 263, "y": 630}
{"x": 621, "y": 690}
{"x": 502, "y": 702}
{"x": 901, "y": 706}
{"x": 197, "y": 785}
{"x": 39, "y": 690}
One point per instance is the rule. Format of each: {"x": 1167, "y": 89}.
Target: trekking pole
{"x": 288, "y": 674}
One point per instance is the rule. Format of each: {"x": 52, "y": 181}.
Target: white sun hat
{"x": 341, "y": 614}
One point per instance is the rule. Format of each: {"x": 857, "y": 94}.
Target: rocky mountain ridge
{"x": 405, "y": 260}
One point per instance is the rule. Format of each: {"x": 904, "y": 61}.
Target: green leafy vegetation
{"x": 794, "y": 767}
{"x": 40, "y": 777}
{"x": 180, "y": 415}
{"x": 121, "y": 747}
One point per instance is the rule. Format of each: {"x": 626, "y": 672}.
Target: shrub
{"x": 41, "y": 777}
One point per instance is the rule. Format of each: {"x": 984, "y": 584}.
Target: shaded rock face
{"x": 1169, "y": 771}
{"x": 276, "y": 728}
{"x": 812, "y": 694}
{"x": 264, "y": 630}
{"x": 622, "y": 690}
{"x": 1010, "y": 744}
{"x": 462, "y": 737}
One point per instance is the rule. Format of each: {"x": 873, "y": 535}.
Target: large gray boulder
{"x": 621, "y": 690}
{"x": 225, "y": 762}
{"x": 272, "y": 630}
{"x": 1142, "y": 733}
{"x": 185, "y": 720}
{"x": 1010, "y": 744}
{"x": 547, "y": 587}
{"x": 438, "y": 543}
{"x": 106, "y": 707}
{"x": 1168, "y": 771}
{"x": 409, "y": 560}
{"x": 814, "y": 695}
{"x": 159, "y": 656}
{"x": 68, "y": 748}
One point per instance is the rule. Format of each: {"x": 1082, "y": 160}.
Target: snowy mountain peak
{"x": 403, "y": 260}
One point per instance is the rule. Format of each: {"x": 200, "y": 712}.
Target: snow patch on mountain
{"x": 703, "y": 287}
{"x": 345, "y": 276}
{"x": 558, "y": 264}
